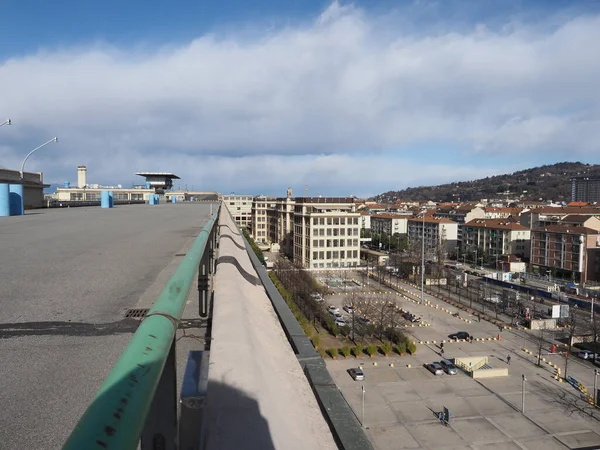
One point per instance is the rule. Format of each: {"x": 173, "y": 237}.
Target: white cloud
{"x": 305, "y": 104}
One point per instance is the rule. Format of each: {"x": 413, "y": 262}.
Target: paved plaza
{"x": 401, "y": 402}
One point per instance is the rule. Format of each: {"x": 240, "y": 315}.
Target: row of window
{"x": 350, "y": 254}
{"x": 334, "y": 264}
{"x": 335, "y": 242}
{"x": 335, "y": 221}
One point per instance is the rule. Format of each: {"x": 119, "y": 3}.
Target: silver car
{"x": 448, "y": 367}
{"x": 435, "y": 368}
{"x": 357, "y": 374}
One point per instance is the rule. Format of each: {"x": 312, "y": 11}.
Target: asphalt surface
{"x": 67, "y": 277}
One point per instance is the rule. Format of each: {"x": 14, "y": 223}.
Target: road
{"x": 66, "y": 279}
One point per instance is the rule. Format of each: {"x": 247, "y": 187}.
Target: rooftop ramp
{"x": 258, "y": 396}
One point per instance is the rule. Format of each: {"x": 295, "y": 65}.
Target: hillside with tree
{"x": 550, "y": 182}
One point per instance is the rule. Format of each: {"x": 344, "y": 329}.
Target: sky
{"x": 347, "y": 98}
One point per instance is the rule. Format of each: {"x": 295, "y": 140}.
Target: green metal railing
{"x": 117, "y": 416}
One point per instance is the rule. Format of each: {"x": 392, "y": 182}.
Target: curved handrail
{"x": 117, "y": 414}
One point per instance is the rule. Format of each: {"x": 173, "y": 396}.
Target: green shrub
{"x": 401, "y": 347}
{"x": 322, "y": 352}
{"x": 333, "y": 352}
{"x": 345, "y": 351}
{"x": 316, "y": 340}
{"x": 345, "y": 330}
{"x": 411, "y": 347}
{"x": 333, "y": 328}
{"x": 357, "y": 350}
{"x": 371, "y": 350}
{"x": 386, "y": 348}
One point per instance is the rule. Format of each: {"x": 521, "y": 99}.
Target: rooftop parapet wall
{"x": 251, "y": 356}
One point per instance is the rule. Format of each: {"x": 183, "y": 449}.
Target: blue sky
{"x": 348, "y": 97}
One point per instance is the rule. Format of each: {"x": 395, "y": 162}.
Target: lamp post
{"x": 596, "y": 372}
{"x": 422, "y": 257}
{"x": 6, "y": 122}
{"x": 523, "y": 380}
{"x": 55, "y": 139}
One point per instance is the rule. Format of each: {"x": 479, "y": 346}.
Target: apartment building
{"x": 569, "y": 252}
{"x": 436, "y": 232}
{"x": 501, "y": 212}
{"x": 461, "y": 215}
{"x": 553, "y": 215}
{"x": 389, "y": 224}
{"x": 365, "y": 220}
{"x": 584, "y": 189}
{"x": 260, "y": 219}
{"x": 326, "y": 233}
{"x": 240, "y": 207}
{"x": 488, "y": 239}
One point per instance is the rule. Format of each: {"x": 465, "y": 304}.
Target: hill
{"x": 551, "y": 182}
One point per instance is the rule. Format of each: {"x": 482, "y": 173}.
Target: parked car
{"x": 337, "y": 316}
{"x": 357, "y": 374}
{"x": 317, "y": 297}
{"x": 587, "y": 354}
{"x": 448, "y": 367}
{"x": 364, "y": 320}
{"x": 349, "y": 309}
{"x": 459, "y": 335}
{"x": 340, "y": 322}
{"x": 435, "y": 368}
{"x": 333, "y": 309}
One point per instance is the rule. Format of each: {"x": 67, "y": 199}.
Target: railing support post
{"x": 194, "y": 388}
{"x": 160, "y": 429}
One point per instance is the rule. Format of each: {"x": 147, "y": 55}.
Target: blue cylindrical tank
{"x": 156, "y": 199}
{"x": 4, "y": 200}
{"x": 105, "y": 199}
{"x": 147, "y": 185}
{"x": 111, "y": 199}
{"x": 16, "y": 199}
{"x": 67, "y": 184}
{"x": 191, "y": 199}
{"x": 173, "y": 199}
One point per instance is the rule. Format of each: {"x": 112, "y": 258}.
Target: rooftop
{"x": 158, "y": 174}
{"x": 499, "y": 224}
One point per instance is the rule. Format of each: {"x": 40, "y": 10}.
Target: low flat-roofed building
{"x": 33, "y": 186}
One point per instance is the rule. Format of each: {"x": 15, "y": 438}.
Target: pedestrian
{"x": 471, "y": 339}
{"x": 508, "y": 360}
{"x": 442, "y": 352}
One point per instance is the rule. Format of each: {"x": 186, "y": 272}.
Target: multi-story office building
{"x": 240, "y": 207}
{"x": 326, "y": 233}
{"x": 281, "y": 219}
{"x": 260, "y": 218}
{"x": 585, "y": 189}
{"x": 489, "y": 239}
{"x": 436, "y": 232}
{"x": 569, "y": 252}
{"x": 389, "y": 224}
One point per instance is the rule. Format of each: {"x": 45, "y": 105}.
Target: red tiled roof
{"x": 566, "y": 229}
{"x": 578, "y": 204}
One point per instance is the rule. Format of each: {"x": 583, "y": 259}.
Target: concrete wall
{"x": 490, "y": 373}
{"x": 543, "y": 324}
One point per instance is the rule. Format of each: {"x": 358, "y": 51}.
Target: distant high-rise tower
{"x": 81, "y": 176}
{"x": 585, "y": 189}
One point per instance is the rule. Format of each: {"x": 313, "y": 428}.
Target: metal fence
{"x": 138, "y": 400}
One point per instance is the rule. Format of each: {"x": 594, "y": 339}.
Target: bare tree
{"x": 573, "y": 322}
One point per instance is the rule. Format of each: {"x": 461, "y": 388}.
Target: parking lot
{"x": 400, "y": 402}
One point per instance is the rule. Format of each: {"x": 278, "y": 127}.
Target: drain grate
{"x": 136, "y": 313}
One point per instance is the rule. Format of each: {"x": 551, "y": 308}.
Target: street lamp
{"x": 596, "y": 372}
{"x": 6, "y": 122}
{"x": 55, "y": 139}
{"x": 422, "y": 257}
{"x": 523, "y": 380}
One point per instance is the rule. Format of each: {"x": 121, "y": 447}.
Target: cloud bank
{"x": 348, "y": 103}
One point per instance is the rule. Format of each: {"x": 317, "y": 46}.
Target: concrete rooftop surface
{"x": 67, "y": 276}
